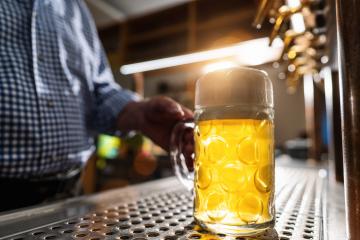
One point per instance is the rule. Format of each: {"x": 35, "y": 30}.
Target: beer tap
{"x": 284, "y": 13}
{"x": 263, "y": 10}
{"x": 290, "y": 35}
{"x": 297, "y": 51}
{"x": 304, "y": 61}
{"x": 304, "y": 41}
{"x": 296, "y": 42}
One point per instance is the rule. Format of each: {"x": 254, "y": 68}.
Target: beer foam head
{"x": 234, "y": 86}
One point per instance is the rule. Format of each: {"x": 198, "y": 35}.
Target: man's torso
{"x": 45, "y": 98}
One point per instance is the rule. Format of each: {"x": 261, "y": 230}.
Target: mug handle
{"x": 182, "y": 152}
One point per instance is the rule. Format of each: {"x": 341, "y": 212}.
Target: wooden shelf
{"x": 193, "y": 26}
{"x": 157, "y": 33}
{"x": 159, "y": 20}
{"x": 157, "y": 48}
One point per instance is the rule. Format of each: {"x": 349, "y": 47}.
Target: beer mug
{"x": 232, "y": 176}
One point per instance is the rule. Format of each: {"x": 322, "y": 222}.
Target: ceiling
{"x": 141, "y": 7}
{"x": 108, "y": 12}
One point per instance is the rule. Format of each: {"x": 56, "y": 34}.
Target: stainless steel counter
{"x": 305, "y": 209}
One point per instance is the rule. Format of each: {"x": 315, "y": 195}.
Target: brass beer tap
{"x": 263, "y": 9}
{"x": 304, "y": 41}
{"x": 284, "y": 13}
{"x": 290, "y": 35}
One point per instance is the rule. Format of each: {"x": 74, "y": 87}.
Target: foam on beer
{"x": 233, "y": 87}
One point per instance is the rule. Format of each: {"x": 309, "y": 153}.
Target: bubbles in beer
{"x": 250, "y": 208}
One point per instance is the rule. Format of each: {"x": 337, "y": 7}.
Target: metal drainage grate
{"x": 168, "y": 215}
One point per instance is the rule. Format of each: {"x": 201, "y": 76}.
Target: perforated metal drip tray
{"x": 163, "y": 210}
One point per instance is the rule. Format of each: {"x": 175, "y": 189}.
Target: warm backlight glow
{"x": 259, "y": 54}
{"x": 218, "y": 66}
{"x": 257, "y": 49}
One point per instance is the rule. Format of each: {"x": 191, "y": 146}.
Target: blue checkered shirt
{"x": 56, "y": 88}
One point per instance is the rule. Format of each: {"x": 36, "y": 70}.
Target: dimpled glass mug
{"x": 232, "y": 176}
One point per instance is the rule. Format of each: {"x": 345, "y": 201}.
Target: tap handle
{"x": 284, "y": 13}
{"x": 290, "y": 35}
{"x": 263, "y": 9}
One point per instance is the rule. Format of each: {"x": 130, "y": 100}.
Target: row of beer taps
{"x": 302, "y": 25}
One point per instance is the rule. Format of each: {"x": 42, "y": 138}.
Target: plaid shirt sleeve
{"x": 110, "y": 98}
{"x": 56, "y": 87}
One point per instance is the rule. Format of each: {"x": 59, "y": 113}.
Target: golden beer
{"x": 233, "y": 173}
{"x": 234, "y": 164}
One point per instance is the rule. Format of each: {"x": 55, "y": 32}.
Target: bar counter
{"x": 308, "y": 206}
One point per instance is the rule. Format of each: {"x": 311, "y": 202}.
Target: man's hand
{"x": 155, "y": 118}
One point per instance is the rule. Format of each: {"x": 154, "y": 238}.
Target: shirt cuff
{"x": 110, "y": 109}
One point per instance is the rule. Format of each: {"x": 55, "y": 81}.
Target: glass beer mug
{"x": 232, "y": 176}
